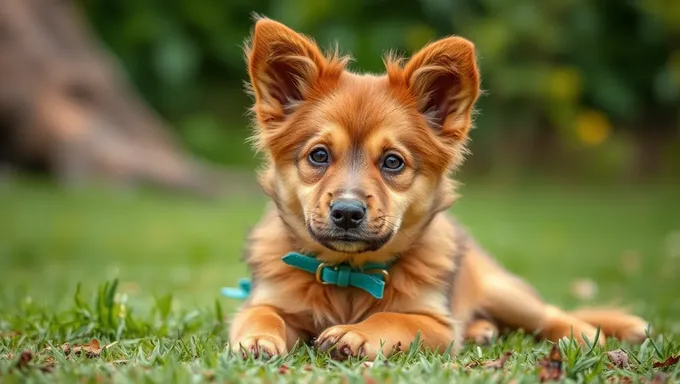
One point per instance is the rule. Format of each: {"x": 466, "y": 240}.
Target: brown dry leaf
{"x": 619, "y": 380}
{"x": 672, "y": 360}
{"x": 498, "y": 363}
{"x": 24, "y": 359}
{"x": 284, "y": 370}
{"x": 368, "y": 379}
{"x": 48, "y": 365}
{"x": 24, "y": 362}
{"x": 396, "y": 347}
{"x": 91, "y": 349}
{"x": 209, "y": 374}
{"x": 9, "y": 334}
{"x": 451, "y": 365}
{"x": 551, "y": 366}
{"x": 7, "y": 356}
{"x": 46, "y": 368}
{"x": 619, "y": 358}
{"x": 307, "y": 367}
{"x": 660, "y": 378}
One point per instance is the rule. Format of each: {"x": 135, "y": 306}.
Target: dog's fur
{"x": 443, "y": 286}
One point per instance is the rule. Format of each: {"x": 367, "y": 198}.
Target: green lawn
{"x": 170, "y": 255}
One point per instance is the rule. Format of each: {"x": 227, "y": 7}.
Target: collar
{"x": 371, "y": 277}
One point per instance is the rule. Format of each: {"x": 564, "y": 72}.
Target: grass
{"x": 141, "y": 272}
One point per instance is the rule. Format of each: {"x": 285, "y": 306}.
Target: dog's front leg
{"x": 387, "y": 332}
{"x": 260, "y": 330}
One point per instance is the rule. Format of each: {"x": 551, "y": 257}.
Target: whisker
{"x": 394, "y": 228}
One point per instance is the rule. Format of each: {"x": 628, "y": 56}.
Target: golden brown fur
{"x": 443, "y": 286}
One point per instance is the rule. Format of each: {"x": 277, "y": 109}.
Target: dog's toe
{"x": 481, "y": 332}
{"x": 342, "y": 342}
{"x": 263, "y": 346}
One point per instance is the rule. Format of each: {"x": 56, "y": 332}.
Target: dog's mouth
{"x": 350, "y": 241}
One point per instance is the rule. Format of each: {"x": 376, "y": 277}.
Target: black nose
{"x": 348, "y": 214}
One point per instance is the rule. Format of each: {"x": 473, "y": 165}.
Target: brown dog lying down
{"x": 358, "y": 172}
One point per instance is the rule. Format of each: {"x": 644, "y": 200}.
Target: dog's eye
{"x": 319, "y": 156}
{"x": 392, "y": 163}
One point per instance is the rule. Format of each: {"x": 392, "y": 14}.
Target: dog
{"x": 356, "y": 251}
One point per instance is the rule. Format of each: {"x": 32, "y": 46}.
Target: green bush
{"x": 573, "y": 70}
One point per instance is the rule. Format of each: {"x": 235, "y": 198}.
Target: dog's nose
{"x": 348, "y": 214}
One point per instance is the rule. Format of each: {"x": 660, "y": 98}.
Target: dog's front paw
{"x": 265, "y": 346}
{"x": 481, "y": 332}
{"x": 635, "y": 331}
{"x": 342, "y": 342}
{"x": 345, "y": 341}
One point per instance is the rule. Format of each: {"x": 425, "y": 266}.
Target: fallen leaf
{"x": 368, "y": 379}
{"x": 7, "y": 356}
{"x": 24, "y": 360}
{"x": 451, "y": 365}
{"x": 498, "y": 363}
{"x": 396, "y": 348}
{"x": 91, "y": 349}
{"x": 307, "y": 367}
{"x": 284, "y": 370}
{"x": 619, "y": 358}
{"x": 49, "y": 365}
{"x": 367, "y": 364}
{"x": 659, "y": 378}
{"x": 209, "y": 374}
{"x": 619, "y": 380}
{"x": 584, "y": 289}
{"x": 551, "y": 366}
{"x": 672, "y": 360}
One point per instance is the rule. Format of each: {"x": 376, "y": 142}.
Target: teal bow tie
{"x": 239, "y": 293}
{"x": 372, "y": 277}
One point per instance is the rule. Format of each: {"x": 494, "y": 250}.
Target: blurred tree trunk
{"x": 65, "y": 107}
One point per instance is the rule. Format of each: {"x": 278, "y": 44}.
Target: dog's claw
{"x": 325, "y": 344}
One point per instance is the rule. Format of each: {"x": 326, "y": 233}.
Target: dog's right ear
{"x": 284, "y": 67}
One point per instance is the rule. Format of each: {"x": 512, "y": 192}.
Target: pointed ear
{"x": 283, "y": 67}
{"x": 444, "y": 79}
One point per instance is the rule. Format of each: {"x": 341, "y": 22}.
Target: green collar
{"x": 372, "y": 277}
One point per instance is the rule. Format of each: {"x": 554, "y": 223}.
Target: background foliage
{"x": 594, "y": 82}
{"x": 575, "y": 88}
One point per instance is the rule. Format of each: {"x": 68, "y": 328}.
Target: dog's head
{"x": 359, "y": 163}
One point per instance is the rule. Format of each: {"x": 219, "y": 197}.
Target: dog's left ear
{"x": 444, "y": 79}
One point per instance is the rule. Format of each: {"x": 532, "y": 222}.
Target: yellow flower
{"x": 593, "y": 127}
{"x": 565, "y": 84}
